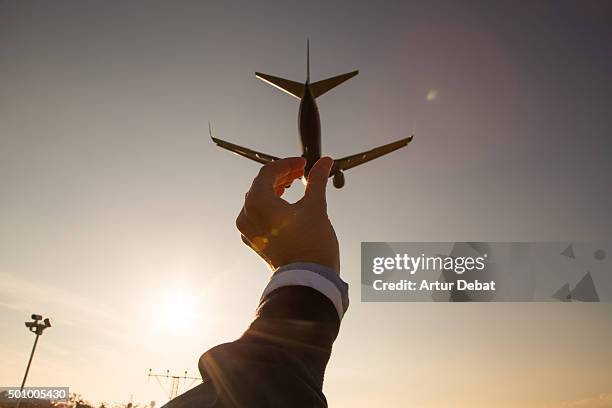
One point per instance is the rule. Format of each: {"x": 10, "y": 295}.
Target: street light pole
{"x": 29, "y": 363}
{"x": 37, "y": 328}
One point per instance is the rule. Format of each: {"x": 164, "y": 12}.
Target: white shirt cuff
{"x": 315, "y": 276}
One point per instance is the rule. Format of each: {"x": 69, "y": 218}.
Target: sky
{"x": 117, "y": 211}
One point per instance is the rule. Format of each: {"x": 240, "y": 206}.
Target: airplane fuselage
{"x": 309, "y": 126}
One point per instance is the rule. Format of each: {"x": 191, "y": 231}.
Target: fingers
{"x": 317, "y": 181}
{"x": 278, "y": 172}
{"x": 287, "y": 180}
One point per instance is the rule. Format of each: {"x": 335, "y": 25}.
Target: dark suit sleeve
{"x": 280, "y": 360}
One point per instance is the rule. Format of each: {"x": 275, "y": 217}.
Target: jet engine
{"x": 339, "y": 180}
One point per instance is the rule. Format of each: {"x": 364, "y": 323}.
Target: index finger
{"x": 271, "y": 173}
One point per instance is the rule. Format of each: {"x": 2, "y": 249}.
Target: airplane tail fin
{"x": 296, "y": 89}
{"x": 320, "y": 87}
{"x": 307, "y": 60}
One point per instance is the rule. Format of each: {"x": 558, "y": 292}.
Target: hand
{"x": 282, "y": 233}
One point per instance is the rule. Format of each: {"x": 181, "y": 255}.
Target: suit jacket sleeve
{"x": 280, "y": 360}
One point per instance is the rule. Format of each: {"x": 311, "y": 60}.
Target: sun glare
{"x": 174, "y": 314}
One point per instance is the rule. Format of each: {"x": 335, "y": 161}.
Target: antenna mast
{"x": 175, "y": 381}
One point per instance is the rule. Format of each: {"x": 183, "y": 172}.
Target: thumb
{"x": 317, "y": 180}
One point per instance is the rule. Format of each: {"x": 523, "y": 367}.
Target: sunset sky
{"x": 117, "y": 211}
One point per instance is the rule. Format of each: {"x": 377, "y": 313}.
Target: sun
{"x": 174, "y": 313}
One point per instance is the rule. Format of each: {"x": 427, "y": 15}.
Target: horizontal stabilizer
{"x": 320, "y": 87}
{"x": 293, "y": 88}
{"x": 354, "y": 160}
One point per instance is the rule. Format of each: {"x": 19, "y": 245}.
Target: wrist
{"x": 329, "y": 263}
{"x": 319, "y": 277}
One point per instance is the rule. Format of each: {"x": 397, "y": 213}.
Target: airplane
{"x": 309, "y": 125}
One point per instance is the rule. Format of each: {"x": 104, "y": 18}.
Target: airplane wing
{"x": 349, "y": 162}
{"x": 244, "y": 152}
